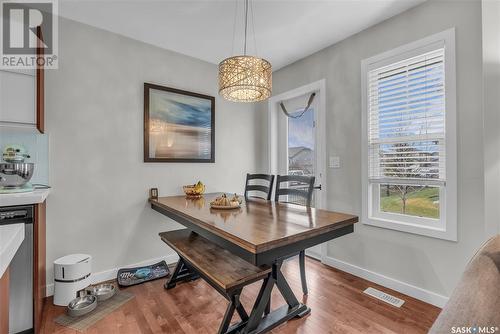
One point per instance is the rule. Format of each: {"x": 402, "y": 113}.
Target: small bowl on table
{"x": 192, "y": 192}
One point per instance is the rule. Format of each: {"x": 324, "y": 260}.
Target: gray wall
{"x": 94, "y": 119}
{"x": 491, "y": 109}
{"x": 94, "y": 114}
{"x": 424, "y": 262}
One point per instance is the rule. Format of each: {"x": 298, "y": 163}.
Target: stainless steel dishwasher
{"x": 21, "y": 270}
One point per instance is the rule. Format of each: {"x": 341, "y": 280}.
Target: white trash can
{"x": 71, "y": 274}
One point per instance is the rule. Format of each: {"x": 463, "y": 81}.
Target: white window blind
{"x": 406, "y": 110}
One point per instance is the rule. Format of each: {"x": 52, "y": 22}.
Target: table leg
{"x": 268, "y": 307}
{"x": 285, "y": 290}
{"x": 257, "y": 323}
{"x": 260, "y": 304}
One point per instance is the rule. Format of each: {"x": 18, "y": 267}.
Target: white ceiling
{"x": 285, "y": 30}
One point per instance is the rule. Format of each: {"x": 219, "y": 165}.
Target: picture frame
{"x": 179, "y": 126}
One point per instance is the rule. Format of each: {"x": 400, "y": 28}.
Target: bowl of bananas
{"x": 194, "y": 190}
{"x": 225, "y": 202}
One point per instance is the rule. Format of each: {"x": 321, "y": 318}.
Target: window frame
{"x": 446, "y": 226}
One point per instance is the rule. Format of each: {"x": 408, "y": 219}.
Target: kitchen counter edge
{"x": 34, "y": 197}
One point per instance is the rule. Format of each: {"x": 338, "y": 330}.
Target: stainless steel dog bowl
{"x": 82, "y": 305}
{"x": 15, "y": 174}
{"x": 102, "y": 291}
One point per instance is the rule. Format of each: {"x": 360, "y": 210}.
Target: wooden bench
{"x": 224, "y": 271}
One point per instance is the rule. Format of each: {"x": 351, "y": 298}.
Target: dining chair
{"x": 260, "y": 183}
{"x": 298, "y": 191}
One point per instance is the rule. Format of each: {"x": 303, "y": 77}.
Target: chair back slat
{"x": 267, "y": 190}
{"x": 266, "y": 177}
{"x": 257, "y": 187}
{"x": 295, "y": 178}
{"x": 293, "y": 192}
{"x": 302, "y": 187}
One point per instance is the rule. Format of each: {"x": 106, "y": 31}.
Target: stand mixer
{"x": 14, "y": 172}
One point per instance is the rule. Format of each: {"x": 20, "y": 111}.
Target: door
{"x": 300, "y": 143}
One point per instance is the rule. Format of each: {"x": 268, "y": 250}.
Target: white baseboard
{"x": 110, "y": 274}
{"x": 388, "y": 282}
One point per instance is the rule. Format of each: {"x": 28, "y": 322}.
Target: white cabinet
{"x": 18, "y": 98}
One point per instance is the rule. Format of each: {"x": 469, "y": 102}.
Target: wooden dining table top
{"x": 258, "y": 225}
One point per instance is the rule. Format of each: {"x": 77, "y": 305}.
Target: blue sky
{"x": 300, "y": 130}
{"x": 394, "y": 96}
{"x": 180, "y": 109}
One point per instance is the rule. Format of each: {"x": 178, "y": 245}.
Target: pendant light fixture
{"x": 245, "y": 78}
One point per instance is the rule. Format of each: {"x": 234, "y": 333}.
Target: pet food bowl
{"x": 82, "y": 305}
{"x": 102, "y": 291}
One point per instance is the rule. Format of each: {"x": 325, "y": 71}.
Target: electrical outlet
{"x": 334, "y": 162}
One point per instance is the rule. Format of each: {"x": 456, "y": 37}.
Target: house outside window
{"x": 409, "y": 138}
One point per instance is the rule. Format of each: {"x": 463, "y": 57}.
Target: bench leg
{"x": 226, "y": 321}
{"x": 234, "y": 304}
{"x": 182, "y": 273}
{"x": 241, "y": 312}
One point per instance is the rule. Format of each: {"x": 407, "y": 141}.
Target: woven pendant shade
{"x": 245, "y": 79}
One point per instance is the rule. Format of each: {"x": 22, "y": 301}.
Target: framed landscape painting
{"x": 179, "y": 126}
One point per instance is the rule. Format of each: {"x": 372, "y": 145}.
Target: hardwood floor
{"x": 336, "y": 299}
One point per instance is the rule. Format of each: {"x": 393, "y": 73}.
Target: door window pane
{"x": 301, "y": 143}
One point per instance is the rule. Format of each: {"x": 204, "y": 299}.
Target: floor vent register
{"x": 394, "y": 301}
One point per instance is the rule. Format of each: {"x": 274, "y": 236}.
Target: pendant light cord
{"x": 234, "y": 26}
{"x": 253, "y": 29}
{"x": 246, "y": 25}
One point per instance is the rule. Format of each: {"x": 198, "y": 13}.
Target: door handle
{"x": 317, "y": 187}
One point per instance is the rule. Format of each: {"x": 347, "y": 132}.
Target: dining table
{"x": 263, "y": 233}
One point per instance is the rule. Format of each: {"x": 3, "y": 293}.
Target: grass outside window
{"x": 417, "y": 201}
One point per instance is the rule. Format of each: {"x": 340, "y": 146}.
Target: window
{"x": 409, "y": 153}
{"x": 301, "y": 148}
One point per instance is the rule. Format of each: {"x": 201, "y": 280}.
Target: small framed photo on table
{"x": 179, "y": 126}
